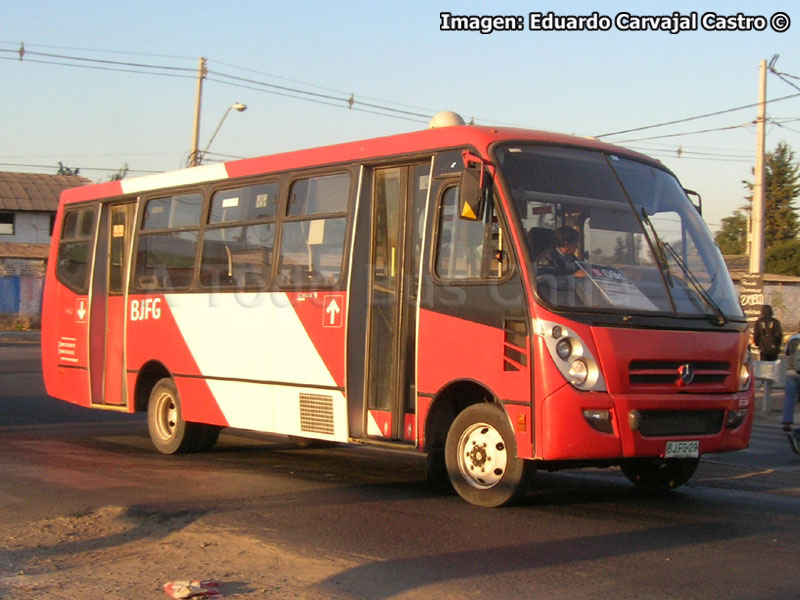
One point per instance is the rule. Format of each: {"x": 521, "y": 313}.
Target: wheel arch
{"x": 447, "y": 403}
{"x": 150, "y": 373}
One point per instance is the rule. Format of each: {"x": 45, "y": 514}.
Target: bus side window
{"x": 469, "y": 249}
{"x": 167, "y": 245}
{"x": 313, "y": 236}
{"x": 238, "y": 243}
{"x": 237, "y": 256}
{"x": 75, "y": 249}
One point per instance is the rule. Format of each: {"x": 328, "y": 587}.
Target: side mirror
{"x": 699, "y": 204}
{"x": 471, "y": 193}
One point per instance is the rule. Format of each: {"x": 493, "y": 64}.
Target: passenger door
{"x": 399, "y": 197}
{"x": 108, "y": 297}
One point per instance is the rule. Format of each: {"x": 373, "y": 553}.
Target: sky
{"x": 295, "y": 64}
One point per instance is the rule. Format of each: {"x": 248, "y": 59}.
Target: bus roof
{"x": 427, "y": 140}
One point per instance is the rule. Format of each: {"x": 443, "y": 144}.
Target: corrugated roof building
{"x": 35, "y": 191}
{"x": 28, "y": 204}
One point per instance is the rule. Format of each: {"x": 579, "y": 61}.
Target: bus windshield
{"x": 609, "y": 233}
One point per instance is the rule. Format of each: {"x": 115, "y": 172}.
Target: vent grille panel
{"x": 666, "y": 373}
{"x": 316, "y": 414}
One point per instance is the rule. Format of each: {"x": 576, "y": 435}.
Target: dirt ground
{"x": 129, "y": 554}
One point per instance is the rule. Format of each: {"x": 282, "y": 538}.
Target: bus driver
{"x": 560, "y": 259}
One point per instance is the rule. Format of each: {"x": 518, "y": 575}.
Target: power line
{"x": 699, "y": 150}
{"x": 22, "y": 51}
{"x": 98, "y": 50}
{"x": 386, "y": 108}
{"x": 711, "y": 114}
{"x": 704, "y": 158}
{"x": 95, "y": 67}
{"x": 782, "y": 76}
{"x": 337, "y": 98}
{"x": 308, "y": 99}
{"x": 716, "y": 149}
{"x": 315, "y": 86}
{"x": 681, "y": 152}
{"x": 186, "y": 72}
{"x": 293, "y": 92}
{"x": 782, "y": 126}
{"x": 657, "y": 137}
{"x": 349, "y": 95}
{"x": 80, "y": 168}
{"x": 105, "y": 61}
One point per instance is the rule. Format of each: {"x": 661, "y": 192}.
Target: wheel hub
{"x": 478, "y": 455}
{"x": 168, "y": 416}
{"x": 482, "y": 456}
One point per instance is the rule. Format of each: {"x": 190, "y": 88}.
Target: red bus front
{"x": 639, "y": 340}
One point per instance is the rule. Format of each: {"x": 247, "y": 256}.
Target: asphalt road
{"x": 733, "y": 531}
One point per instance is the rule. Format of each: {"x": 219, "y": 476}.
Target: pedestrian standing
{"x": 768, "y": 336}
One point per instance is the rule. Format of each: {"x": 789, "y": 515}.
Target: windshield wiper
{"x": 655, "y": 243}
{"x": 721, "y": 319}
{"x": 660, "y": 245}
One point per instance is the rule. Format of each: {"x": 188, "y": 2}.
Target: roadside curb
{"x": 20, "y": 337}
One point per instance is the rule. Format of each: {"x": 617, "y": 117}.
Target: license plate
{"x": 683, "y": 449}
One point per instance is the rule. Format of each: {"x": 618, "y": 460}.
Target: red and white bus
{"x": 412, "y": 291}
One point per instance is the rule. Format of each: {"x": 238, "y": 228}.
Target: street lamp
{"x": 197, "y": 157}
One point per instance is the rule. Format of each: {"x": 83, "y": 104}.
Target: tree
{"x": 781, "y": 188}
{"x": 64, "y": 170}
{"x": 783, "y": 258}
{"x": 119, "y": 175}
{"x": 732, "y": 236}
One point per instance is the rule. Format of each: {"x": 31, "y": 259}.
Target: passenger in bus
{"x": 560, "y": 258}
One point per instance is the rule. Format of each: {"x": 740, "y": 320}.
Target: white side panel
{"x": 275, "y": 408}
{"x": 258, "y": 337}
{"x": 255, "y": 336}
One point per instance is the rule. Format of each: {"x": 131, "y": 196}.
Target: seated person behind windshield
{"x": 560, "y": 259}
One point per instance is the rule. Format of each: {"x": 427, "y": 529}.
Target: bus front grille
{"x": 655, "y": 423}
{"x": 681, "y": 374}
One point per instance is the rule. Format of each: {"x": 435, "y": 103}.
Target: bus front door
{"x": 399, "y": 196}
{"x": 108, "y": 301}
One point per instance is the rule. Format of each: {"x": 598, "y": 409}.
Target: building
{"x": 28, "y": 203}
{"x": 782, "y": 292}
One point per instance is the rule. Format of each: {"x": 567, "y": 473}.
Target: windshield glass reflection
{"x": 609, "y": 233}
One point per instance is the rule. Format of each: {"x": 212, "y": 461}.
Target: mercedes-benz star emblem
{"x": 685, "y": 374}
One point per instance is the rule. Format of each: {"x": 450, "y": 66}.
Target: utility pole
{"x": 758, "y": 208}
{"x": 201, "y": 74}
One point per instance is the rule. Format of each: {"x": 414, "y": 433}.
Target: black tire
{"x": 481, "y": 457}
{"x": 169, "y": 432}
{"x": 436, "y": 472}
{"x": 207, "y": 437}
{"x": 659, "y": 473}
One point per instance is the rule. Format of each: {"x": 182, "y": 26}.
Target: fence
{"x": 21, "y": 287}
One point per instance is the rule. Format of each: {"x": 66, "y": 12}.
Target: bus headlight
{"x": 745, "y": 372}
{"x": 571, "y": 356}
{"x": 578, "y": 372}
{"x": 564, "y": 348}
{"x": 744, "y": 377}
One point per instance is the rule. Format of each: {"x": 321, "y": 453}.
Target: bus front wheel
{"x": 481, "y": 457}
{"x": 659, "y": 473}
{"x": 168, "y": 431}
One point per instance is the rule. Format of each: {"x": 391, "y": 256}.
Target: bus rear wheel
{"x": 481, "y": 457}
{"x": 659, "y": 473}
{"x": 169, "y": 432}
